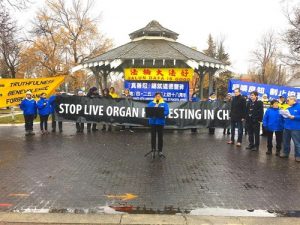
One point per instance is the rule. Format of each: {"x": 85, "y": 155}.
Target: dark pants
{"x": 239, "y": 125}
{"x": 159, "y": 131}
{"x": 211, "y": 130}
{"x": 44, "y": 122}
{"x": 80, "y": 127}
{"x": 253, "y": 128}
{"x": 54, "y": 123}
{"x": 278, "y": 135}
{"x": 28, "y": 122}
{"x": 89, "y": 125}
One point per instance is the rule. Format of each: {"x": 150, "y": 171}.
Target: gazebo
{"x": 153, "y": 46}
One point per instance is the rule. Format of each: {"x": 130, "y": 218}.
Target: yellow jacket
{"x": 114, "y": 95}
{"x": 283, "y": 106}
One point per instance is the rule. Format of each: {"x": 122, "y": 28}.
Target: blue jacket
{"x": 159, "y": 121}
{"x": 52, "y": 103}
{"x": 294, "y": 124}
{"x": 272, "y": 120}
{"x": 44, "y": 107}
{"x": 28, "y": 106}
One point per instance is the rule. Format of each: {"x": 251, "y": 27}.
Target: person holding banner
{"x": 237, "y": 115}
{"x": 213, "y": 100}
{"x": 45, "y": 110}
{"x": 52, "y": 102}
{"x": 113, "y": 93}
{"x": 93, "y": 93}
{"x": 157, "y": 124}
{"x": 105, "y": 94}
{"x": 79, "y": 124}
{"x": 126, "y": 95}
{"x": 254, "y": 116}
{"x": 29, "y": 108}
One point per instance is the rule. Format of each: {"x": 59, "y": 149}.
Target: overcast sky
{"x": 240, "y": 22}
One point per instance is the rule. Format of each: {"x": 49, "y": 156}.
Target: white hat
{"x": 28, "y": 93}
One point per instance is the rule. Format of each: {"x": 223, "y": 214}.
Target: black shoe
{"x": 224, "y": 131}
{"x": 94, "y": 130}
{"x": 255, "y": 149}
{"x": 277, "y": 153}
{"x": 250, "y": 147}
{"x": 89, "y": 130}
{"x": 269, "y": 153}
{"x": 53, "y": 131}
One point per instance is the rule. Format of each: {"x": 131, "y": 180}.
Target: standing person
{"x": 127, "y": 95}
{"x": 227, "y": 101}
{"x": 157, "y": 124}
{"x": 212, "y": 99}
{"x": 53, "y": 107}
{"x": 93, "y": 93}
{"x": 45, "y": 110}
{"x": 194, "y": 98}
{"x": 273, "y": 122}
{"x": 113, "y": 93}
{"x": 266, "y": 104}
{"x": 254, "y": 115}
{"x": 105, "y": 94}
{"x": 292, "y": 129}
{"x": 79, "y": 124}
{"x": 237, "y": 116}
{"x": 29, "y": 108}
{"x": 282, "y": 103}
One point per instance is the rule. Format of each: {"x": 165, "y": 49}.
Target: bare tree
{"x": 9, "y": 44}
{"x": 292, "y": 38}
{"x": 264, "y": 55}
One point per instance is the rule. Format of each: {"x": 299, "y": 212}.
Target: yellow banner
{"x": 13, "y": 91}
{"x": 159, "y": 74}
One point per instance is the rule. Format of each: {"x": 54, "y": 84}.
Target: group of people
{"x": 245, "y": 113}
{"x": 46, "y": 107}
{"x": 281, "y": 117}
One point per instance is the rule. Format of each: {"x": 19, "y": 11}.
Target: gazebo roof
{"x": 153, "y": 42}
{"x": 154, "y": 29}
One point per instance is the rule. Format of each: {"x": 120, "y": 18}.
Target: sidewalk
{"x": 95, "y": 219}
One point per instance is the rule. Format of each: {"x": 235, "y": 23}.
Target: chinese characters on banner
{"x": 171, "y": 91}
{"x": 273, "y": 91}
{"x": 159, "y": 74}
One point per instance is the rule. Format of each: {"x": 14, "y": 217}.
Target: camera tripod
{"x": 152, "y": 152}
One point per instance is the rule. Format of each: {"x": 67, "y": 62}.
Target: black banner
{"x": 132, "y": 113}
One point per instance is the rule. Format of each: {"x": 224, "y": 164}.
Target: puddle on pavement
{"x": 128, "y": 209}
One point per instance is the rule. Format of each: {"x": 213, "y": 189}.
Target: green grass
{"x": 18, "y": 119}
{"x": 4, "y": 111}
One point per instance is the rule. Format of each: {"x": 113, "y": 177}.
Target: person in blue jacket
{"x": 45, "y": 110}
{"x": 29, "y": 108}
{"x": 157, "y": 124}
{"x": 52, "y": 101}
{"x": 292, "y": 129}
{"x": 273, "y": 123}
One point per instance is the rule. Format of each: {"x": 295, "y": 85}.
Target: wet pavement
{"x": 107, "y": 171}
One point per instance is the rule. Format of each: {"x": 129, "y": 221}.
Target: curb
{"x": 131, "y": 219}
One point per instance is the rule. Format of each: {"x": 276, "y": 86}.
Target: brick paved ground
{"x": 64, "y": 172}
